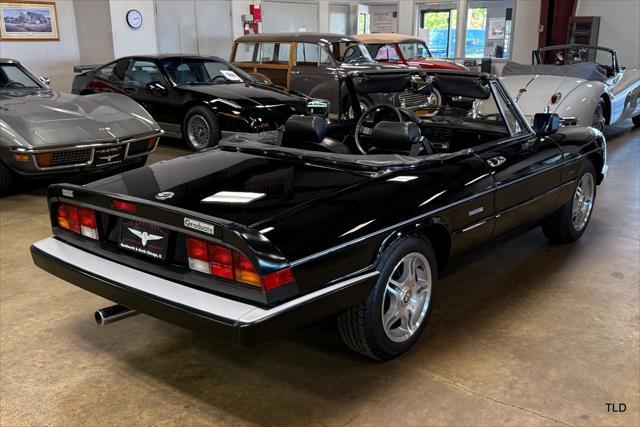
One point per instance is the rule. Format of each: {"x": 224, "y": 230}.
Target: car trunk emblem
{"x": 164, "y": 195}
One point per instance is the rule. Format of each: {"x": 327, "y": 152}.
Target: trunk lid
{"x": 241, "y": 187}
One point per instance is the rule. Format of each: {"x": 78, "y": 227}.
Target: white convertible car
{"x": 583, "y": 84}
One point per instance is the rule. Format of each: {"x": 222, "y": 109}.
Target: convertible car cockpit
{"x": 475, "y": 110}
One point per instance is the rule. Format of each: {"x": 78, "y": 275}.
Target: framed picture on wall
{"x": 28, "y": 21}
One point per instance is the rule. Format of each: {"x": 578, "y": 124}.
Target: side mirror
{"x": 157, "y": 88}
{"x": 45, "y": 80}
{"x": 546, "y": 123}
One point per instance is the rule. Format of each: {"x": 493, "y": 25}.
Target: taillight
{"x": 123, "y": 206}
{"x": 77, "y": 219}
{"x": 220, "y": 261}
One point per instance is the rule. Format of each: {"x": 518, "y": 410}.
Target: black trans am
{"x": 199, "y": 99}
{"x": 357, "y": 219}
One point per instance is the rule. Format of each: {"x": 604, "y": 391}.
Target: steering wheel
{"x": 364, "y": 127}
{"x": 218, "y": 77}
{"x": 13, "y": 84}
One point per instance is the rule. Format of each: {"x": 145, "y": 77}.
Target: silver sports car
{"x": 44, "y": 132}
{"x": 584, "y": 85}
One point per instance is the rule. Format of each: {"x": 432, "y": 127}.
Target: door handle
{"x": 295, "y": 72}
{"x": 129, "y": 90}
{"x": 494, "y": 162}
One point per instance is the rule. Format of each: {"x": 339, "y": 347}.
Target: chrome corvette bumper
{"x": 191, "y": 308}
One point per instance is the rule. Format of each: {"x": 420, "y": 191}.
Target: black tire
{"x": 6, "y": 180}
{"x": 361, "y": 327}
{"x": 559, "y": 227}
{"x": 636, "y": 121}
{"x": 599, "y": 119}
{"x": 191, "y": 135}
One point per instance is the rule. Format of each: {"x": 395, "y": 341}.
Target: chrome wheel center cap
{"x": 406, "y": 297}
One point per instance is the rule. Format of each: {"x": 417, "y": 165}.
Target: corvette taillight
{"x": 79, "y": 220}
{"x": 220, "y": 261}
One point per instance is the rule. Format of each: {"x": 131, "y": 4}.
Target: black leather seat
{"x": 398, "y": 138}
{"x": 310, "y": 133}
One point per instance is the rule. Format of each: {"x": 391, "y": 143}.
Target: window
{"x": 203, "y": 70}
{"x": 350, "y": 52}
{"x": 283, "y": 53}
{"x": 266, "y": 52}
{"x": 310, "y": 54}
{"x": 142, "y": 72}
{"x": 385, "y": 53}
{"x": 488, "y": 32}
{"x": 11, "y": 76}
{"x": 108, "y": 72}
{"x": 245, "y": 52}
{"x": 476, "y": 32}
{"x": 439, "y": 29}
{"x": 412, "y": 50}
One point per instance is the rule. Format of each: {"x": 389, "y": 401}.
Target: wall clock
{"x": 134, "y": 19}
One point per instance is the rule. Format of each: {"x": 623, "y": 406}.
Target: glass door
{"x": 438, "y": 29}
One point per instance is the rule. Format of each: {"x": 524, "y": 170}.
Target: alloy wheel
{"x": 583, "y": 202}
{"x": 198, "y": 131}
{"x": 406, "y": 297}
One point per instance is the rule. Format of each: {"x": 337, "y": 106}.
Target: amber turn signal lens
{"x": 21, "y": 157}
{"x": 151, "y": 144}
{"x": 44, "y": 159}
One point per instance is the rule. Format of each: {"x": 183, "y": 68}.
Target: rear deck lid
{"x": 234, "y": 186}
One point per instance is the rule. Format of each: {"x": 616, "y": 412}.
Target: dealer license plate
{"x": 143, "y": 238}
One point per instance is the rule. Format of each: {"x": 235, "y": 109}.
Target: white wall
{"x": 127, "y": 41}
{"x": 93, "y": 24}
{"x": 619, "y": 26}
{"x": 525, "y": 30}
{"x": 54, "y": 59}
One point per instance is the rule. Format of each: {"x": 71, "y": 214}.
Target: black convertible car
{"x": 199, "y": 99}
{"x": 356, "y": 219}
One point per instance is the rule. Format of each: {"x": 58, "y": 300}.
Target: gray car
{"x": 46, "y": 133}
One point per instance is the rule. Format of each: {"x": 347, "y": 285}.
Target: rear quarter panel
{"x": 334, "y": 237}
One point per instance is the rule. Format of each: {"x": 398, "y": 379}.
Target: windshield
{"x": 575, "y": 55}
{"x": 350, "y": 52}
{"x": 13, "y": 76}
{"x": 414, "y": 50}
{"x": 203, "y": 71}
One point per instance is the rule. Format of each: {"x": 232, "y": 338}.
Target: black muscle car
{"x": 356, "y": 219}
{"x": 199, "y": 99}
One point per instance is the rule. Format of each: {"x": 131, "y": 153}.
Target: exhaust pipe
{"x": 108, "y": 315}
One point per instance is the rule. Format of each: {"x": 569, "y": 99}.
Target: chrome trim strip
{"x": 238, "y": 312}
{"x": 389, "y": 228}
{"x": 92, "y": 147}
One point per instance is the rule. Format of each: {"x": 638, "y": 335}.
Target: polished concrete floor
{"x": 524, "y": 333}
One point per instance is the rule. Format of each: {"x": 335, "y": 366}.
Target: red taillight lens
{"x": 79, "y": 220}
{"x": 278, "y": 278}
{"x": 123, "y": 206}
{"x": 221, "y": 261}
{"x": 226, "y": 263}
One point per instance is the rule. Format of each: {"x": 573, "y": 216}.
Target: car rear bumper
{"x": 191, "y": 308}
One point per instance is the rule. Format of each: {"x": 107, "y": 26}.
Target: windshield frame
{"x": 25, "y": 71}
{"x": 246, "y": 77}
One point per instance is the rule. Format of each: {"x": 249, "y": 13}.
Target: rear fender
{"x": 434, "y": 229}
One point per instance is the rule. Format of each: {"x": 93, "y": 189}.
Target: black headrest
{"x": 395, "y": 135}
{"x": 305, "y": 128}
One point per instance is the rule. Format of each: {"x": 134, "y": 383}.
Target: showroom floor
{"x": 522, "y": 333}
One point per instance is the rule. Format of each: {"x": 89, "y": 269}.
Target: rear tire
{"x": 568, "y": 223}
{"x": 636, "y": 121}
{"x": 200, "y": 129}
{"x": 394, "y": 315}
{"x": 7, "y": 179}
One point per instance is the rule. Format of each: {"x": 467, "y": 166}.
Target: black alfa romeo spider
{"x": 271, "y": 232}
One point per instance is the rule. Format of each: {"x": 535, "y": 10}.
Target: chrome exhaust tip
{"x": 108, "y": 315}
